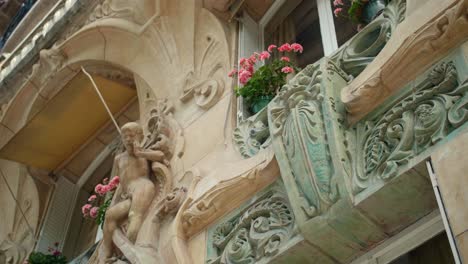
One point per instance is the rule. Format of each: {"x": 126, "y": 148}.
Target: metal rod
{"x": 443, "y": 213}
{"x": 102, "y": 99}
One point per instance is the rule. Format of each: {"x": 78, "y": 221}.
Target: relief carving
{"x": 299, "y": 139}
{"x": 252, "y": 134}
{"x": 133, "y": 11}
{"x": 437, "y": 106}
{"x": 146, "y": 184}
{"x": 419, "y": 49}
{"x": 205, "y": 83}
{"x": 362, "y": 49}
{"x": 256, "y": 233}
{"x": 50, "y": 61}
{"x": 18, "y": 240}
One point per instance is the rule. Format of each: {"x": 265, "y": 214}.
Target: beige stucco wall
{"x": 451, "y": 168}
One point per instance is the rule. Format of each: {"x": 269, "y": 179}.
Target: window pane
{"x": 297, "y": 21}
{"x": 345, "y": 29}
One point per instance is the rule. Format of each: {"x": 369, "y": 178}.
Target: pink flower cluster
{"x": 246, "y": 65}
{"x": 102, "y": 189}
{"x": 88, "y": 210}
{"x": 54, "y": 250}
{"x": 338, "y": 7}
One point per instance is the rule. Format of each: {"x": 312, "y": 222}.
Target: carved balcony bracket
{"x": 361, "y": 50}
{"x": 252, "y": 134}
{"x": 398, "y": 132}
{"x": 302, "y": 119}
{"x": 408, "y": 57}
{"x": 256, "y": 233}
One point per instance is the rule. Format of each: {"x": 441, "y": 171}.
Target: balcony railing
{"x": 15, "y": 21}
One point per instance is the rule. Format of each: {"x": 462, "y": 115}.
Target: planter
{"x": 373, "y": 9}
{"x": 260, "y": 103}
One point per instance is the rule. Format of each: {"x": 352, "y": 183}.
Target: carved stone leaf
{"x": 306, "y": 149}
{"x": 419, "y": 120}
{"x": 256, "y": 233}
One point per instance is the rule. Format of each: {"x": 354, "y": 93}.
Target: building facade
{"x": 360, "y": 157}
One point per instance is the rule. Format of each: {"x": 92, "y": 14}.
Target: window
{"x": 434, "y": 251}
{"x": 301, "y": 25}
{"x": 308, "y": 22}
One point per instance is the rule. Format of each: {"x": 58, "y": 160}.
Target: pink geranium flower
{"x": 297, "y": 47}
{"x": 232, "y": 73}
{"x": 287, "y": 69}
{"x": 337, "y": 11}
{"x": 285, "y": 59}
{"x": 264, "y": 55}
{"x": 338, "y": 2}
{"x": 93, "y": 212}
{"x": 271, "y": 48}
{"x": 105, "y": 181}
{"x": 115, "y": 180}
{"x": 285, "y": 47}
{"x": 85, "y": 209}
{"x": 252, "y": 59}
{"x": 98, "y": 189}
{"x": 244, "y": 76}
{"x": 92, "y": 198}
{"x": 244, "y": 62}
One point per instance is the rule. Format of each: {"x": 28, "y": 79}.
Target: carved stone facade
{"x": 331, "y": 170}
{"x": 255, "y": 234}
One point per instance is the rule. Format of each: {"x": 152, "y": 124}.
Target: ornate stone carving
{"x": 205, "y": 91}
{"x": 152, "y": 153}
{"x": 50, "y": 61}
{"x": 130, "y": 10}
{"x": 18, "y": 232}
{"x": 426, "y": 44}
{"x": 299, "y": 139}
{"x": 252, "y": 134}
{"x": 256, "y": 233}
{"x": 361, "y": 50}
{"x": 205, "y": 83}
{"x": 437, "y": 106}
{"x": 248, "y": 176}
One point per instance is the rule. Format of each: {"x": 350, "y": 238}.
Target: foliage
{"x": 355, "y": 9}
{"x": 105, "y": 190}
{"x": 54, "y": 257}
{"x": 264, "y": 82}
{"x": 102, "y": 211}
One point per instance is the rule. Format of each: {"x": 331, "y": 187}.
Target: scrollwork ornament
{"x": 436, "y": 107}
{"x": 256, "y": 233}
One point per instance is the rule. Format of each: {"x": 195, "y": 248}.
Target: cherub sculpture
{"x": 136, "y": 190}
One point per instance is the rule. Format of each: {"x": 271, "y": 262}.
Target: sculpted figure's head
{"x": 132, "y": 133}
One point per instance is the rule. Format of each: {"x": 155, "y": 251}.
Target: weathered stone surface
{"x": 450, "y": 168}
{"x": 420, "y": 40}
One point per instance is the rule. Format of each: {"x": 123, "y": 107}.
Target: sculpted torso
{"x": 134, "y": 173}
{"x": 135, "y": 192}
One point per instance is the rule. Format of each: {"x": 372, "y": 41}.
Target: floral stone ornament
{"x": 260, "y": 85}
{"x": 359, "y": 11}
{"x": 105, "y": 190}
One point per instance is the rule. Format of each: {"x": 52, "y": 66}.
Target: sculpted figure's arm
{"x": 152, "y": 155}
{"x": 118, "y": 191}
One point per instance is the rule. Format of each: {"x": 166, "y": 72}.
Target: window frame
{"x": 247, "y": 44}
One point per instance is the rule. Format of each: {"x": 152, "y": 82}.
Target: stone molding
{"x": 252, "y": 134}
{"x": 257, "y": 233}
{"x": 435, "y": 107}
{"x": 321, "y": 161}
{"x": 411, "y": 56}
{"x": 227, "y": 194}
